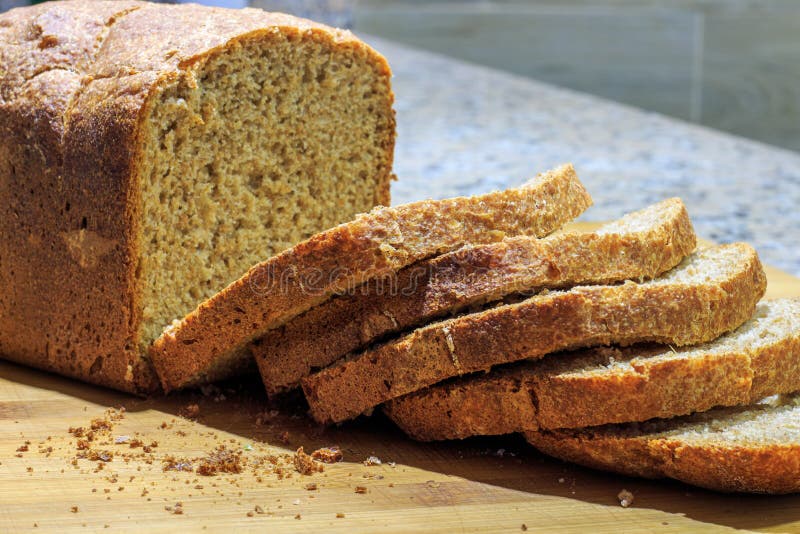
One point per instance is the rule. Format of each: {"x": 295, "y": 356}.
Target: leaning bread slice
{"x": 211, "y": 342}
{"x": 711, "y": 292}
{"x": 643, "y": 244}
{"x": 612, "y": 385}
{"x": 752, "y": 448}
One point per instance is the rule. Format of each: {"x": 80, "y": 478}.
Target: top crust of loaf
{"x": 78, "y": 77}
{"x": 208, "y": 343}
{"x": 752, "y": 448}
{"x": 610, "y": 385}
{"x": 713, "y": 291}
{"x": 641, "y": 245}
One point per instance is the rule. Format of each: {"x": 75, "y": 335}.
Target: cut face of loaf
{"x": 712, "y": 292}
{"x": 752, "y": 448}
{"x": 151, "y": 153}
{"x": 212, "y": 342}
{"x": 640, "y": 245}
{"x": 611, "y": 385}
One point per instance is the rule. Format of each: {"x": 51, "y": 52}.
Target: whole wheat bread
{"x": 711, "y": 292}
{"x": 612, "y": 385}
{"x": 211, "y": 342}
{"x": 640, "y": 245}
{"x": 150, "y": 153}
{"x": 753, "y": 448}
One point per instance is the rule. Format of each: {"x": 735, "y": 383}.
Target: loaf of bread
{"x": 753, "y": 448}
{"x": 211, "y": 343}
{"x": 150, "y": 154}
{"x": 641, "y": 245}
{"x": 606, "y": 385}
{"x": 712, "y": 292}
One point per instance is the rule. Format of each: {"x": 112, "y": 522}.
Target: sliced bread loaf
{"x": 711, "y": 292}
{"x": 211, "y": 342}
{"x": 612, "y": 385}
{"x": 752, "y": 448}
{"x": 640, "y": 245}
{"x": 151, "y": 153}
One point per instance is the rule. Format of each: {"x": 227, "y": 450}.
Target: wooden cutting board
{"x": 487, "y": 484}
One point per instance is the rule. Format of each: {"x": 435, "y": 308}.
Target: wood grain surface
{"x": 497, "y": 484}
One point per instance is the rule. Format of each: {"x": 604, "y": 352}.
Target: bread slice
{"x": 211, "y": 342}
{"x": 151, "y": 153}
{"x": 640, "y": 245}
{"x": 753, "y": 448}
{"x": 711, "y": 292}
{"x": 612, "y": 385}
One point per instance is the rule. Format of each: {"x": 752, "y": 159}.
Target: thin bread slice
{"x": 711, "y": 292}
{"x": 640, "y": 245}
{"x": 211, "y": 342}
{"x": 612, "y": 385}
{"x": 753, "y": 448}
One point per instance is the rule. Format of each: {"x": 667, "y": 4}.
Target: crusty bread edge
{"x": 759, "y": 469}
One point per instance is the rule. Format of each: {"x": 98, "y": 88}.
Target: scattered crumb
{"x": 372, "y": 460}
{"x": 74, "y": 509}
{"x": 305, "y": 464}
{"x": 361, "y": 489}
{"x": 340, "y": 515}
{"x": 328, "y": 455}
{"x": 221, "y": 460}
{"x": 190, "y": 411}
{"x": 297, "y": 516}
{"x": 524, "y": 527}
{"x": 171, "y": 463}
{"x": 312, "y": 486}
{"x": 259, "y": 510}
{"x": 625, "y": 498}
{"x": 177, "y": 509}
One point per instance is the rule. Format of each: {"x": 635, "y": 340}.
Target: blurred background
{"x": 733, "y": 65}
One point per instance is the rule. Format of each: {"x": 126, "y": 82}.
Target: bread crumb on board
{"x": 305, "y": 463}
{"x": 229, "y": 463}
{"x": 328, "y": 455}
{"x": 625, "y": 498}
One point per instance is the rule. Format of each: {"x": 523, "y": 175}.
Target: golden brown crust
{"x": 213, "y": 338}
{"x": 466, "y": 277}
{"x": 78, "y": 77}
{"x": 66, "y": 223}
{"x": 723, "y": 467}
{"x": 673, "y": 313}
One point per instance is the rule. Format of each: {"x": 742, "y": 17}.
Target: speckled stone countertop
{"x": 465, "y": 129}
